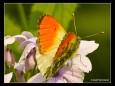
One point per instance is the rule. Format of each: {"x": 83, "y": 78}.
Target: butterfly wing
{"x": 51, "y": 33}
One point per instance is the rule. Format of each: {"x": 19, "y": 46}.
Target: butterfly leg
{"x": 71, "y": 67}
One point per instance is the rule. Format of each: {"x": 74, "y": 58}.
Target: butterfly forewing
{"x": 51, "y": 33}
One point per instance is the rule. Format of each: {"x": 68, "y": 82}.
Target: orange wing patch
{"x": 50, "y": 33}
{"x": 64, "y": 44}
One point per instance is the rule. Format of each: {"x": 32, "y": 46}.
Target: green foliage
{"x": 10, "y": 27}
{"x": 62, "y": 13}
{"x": 94, "y": 18}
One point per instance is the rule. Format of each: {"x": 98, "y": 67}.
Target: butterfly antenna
{"x": 92, "y": 35}
{"x": 74, "y": 23}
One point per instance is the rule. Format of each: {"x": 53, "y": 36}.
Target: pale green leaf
{"x": 61, "y": 12}
{"x": 10, "y": 27}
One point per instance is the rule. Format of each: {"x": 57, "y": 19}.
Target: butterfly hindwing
{"x": 66, "y": 51}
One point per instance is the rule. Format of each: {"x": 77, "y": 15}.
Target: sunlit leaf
{"x": 45, "y": 8}
{"x": 61, "y": 12}
{"x": 33, "y": 20}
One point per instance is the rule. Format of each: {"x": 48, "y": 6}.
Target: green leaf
{"x": 33, "y": 21}
{"x": 61, "y": 12}
{"x": 10, "y": 27}
{"x": 44, "y": 8}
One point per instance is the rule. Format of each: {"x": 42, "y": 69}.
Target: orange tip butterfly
{"x": 55, "y": 45}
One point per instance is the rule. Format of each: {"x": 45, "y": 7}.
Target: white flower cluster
{"x": 71, "y": 72}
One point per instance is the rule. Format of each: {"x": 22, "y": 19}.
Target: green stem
{"x": 28, "y": 74}
{"x": 33, "y": 72}
{"x": 7, "y": 70}
{"x": 22, "y": 15}
{"x": 14, "y": 75}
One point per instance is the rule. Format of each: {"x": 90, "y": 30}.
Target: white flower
{"x": 27, "y": 59}
{"x": 7, "y": 77}
{"x": 19, "y": 71}
{"x": 71, "y": 72}
{"x": 67, "y": 74}
{"x": 81, "y": 60}
{"x": 8, "y": 40}
{"x": 8, "y": 55}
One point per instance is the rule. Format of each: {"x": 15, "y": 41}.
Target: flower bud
{"x": 9, "y": 57}
{"x": 20, "y": 75}
{"x": 30, "y": 60}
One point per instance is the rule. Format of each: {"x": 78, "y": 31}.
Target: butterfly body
{"x": 56, "y": 46}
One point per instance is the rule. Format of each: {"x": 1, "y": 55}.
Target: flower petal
{"x": 87, "y": 47}
{"x": 30, "y": 60}
{"x": 8, "y": 40}
{"x": 27, "y": 51}
{"x": 7, "y": 77}
{"x": 73, "y": 79}
{"x": 83, "y": 63}
{"x": 62, "y": 80}
{"x": 38, "y": 78}
{"x": 20, "y": 75}
{"x": 19, "y": 66}
{"x": 72, "y": 70}
{"x": 31, "y": 40}
{"x": 56, "y": 80}
{"x": 7, "y": 37}
{"x": 51, "y": 80}
{"x": 77, "y": 72}
{"x": 9, "y": 57}
{"x": 65, "y": 69}
{"x": 27, "y": 34}
{"x": 20, "y": 38}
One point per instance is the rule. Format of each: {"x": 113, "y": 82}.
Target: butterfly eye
{"x": 78, "y": 38}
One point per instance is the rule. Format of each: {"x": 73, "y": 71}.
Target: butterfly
{"x": 55, "y": 46}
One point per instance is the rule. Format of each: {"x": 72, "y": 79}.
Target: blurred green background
{"x": 90, "y": 19}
